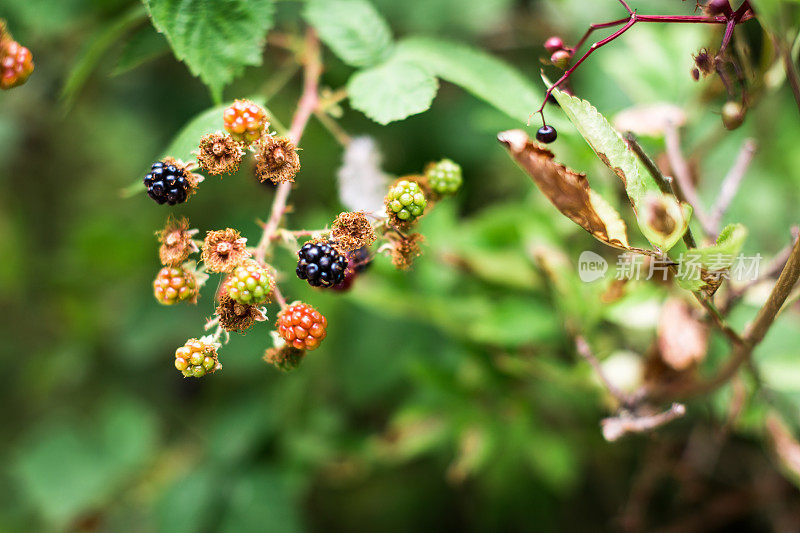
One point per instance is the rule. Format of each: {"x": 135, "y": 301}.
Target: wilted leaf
{"x": 663, "y": 221}
{"x": 610, "y": 147}
{"x": 682, "y": 339}
{"x": 567, "y": 190}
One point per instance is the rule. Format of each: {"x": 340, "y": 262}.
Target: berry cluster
{"x": 167, "y": 183}
{"x": 245, "y": 121}
{"x": 249, "y": 284}
{"x": 197, "y": 358}
{"x": 301, "y": 326}
{"x": 406, "y": 200}
{"x": 173, "y": 285}
{"x": 16, "y": 64}
{"x": 444, "y": 177}
{"x": 320, "y": 264}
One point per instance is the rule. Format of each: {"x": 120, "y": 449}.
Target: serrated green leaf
{"x": 486, "y": 77}
{"x": 215, "y": 38}
{"x": 609, "y": 146}
{"x": 144, "y": 45}
{"x": 353, "y": 29}
{"x": 721, "y": 254}
{"x": 392, "y": 91}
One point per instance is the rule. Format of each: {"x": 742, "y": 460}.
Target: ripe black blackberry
{"x": 167, "y": 183}
{"x": 320, "y": 264}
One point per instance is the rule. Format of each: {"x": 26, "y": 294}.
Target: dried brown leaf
{"x": 682, "y": 338}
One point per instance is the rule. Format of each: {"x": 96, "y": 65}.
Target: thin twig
{"x": 618, "y": 426}
{"x": 664, "y": 184}
{"x": 731, "y": 183}
{"x": 755, "y": 333}
{"x": 718, "y": 319}
{"x": 305, "y": 108}
{"x": 683, "y": 177}
{"x": 586, "y": 352}
{"x": 279, "y": 296}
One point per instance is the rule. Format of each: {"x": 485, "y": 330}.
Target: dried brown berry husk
{"x": 352, "y": 230}
{"x": 219, "y": 154}
{"x": 704, "y": 62}
{"x": 234, "y": 316}
{"x": 276, "y": 159}
{"x": 405, "y": 248}
{"x": 177, "y": 242}
{"x": 193, "y": 179}
{"x": 284, "y": 358}
{"x": 224, "y": 250}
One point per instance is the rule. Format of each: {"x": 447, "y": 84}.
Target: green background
{"x": 445, "y": 398}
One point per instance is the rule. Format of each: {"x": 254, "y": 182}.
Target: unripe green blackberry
{"x": 197, "y": 358}
{"x": 444, "y": 177}
{"x": 249, "y": 284}
{"x": 406, "y": 201}
{"x": 173, "y": 285}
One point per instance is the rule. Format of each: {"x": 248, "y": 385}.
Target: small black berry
{"x": 546, "y": 134}
{"x": 167, "y": 184}
{"x": 320, "y": 264}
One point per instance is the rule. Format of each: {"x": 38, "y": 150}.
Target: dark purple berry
{"x": 320, "y": 264}
{"x": 167, "y": 184}
{"x": 546, "y": 134}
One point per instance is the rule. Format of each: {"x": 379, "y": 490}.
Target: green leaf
{"x": 65, "y": 470}
{"x": 144, "y": 45}
{"x": 94, "y": 52}
{"x": 392, "y": 91}
{"x": 353, "y": 29}
{"x": 609, "y": 146}
{"x": 721, "y": 254}
{"x": 486, "y": 77}
{"x": 261, "y": 500}
{"x": 209, "y": 121}
{"x": 215, "y": 38}
{"x": 188, "y": 504}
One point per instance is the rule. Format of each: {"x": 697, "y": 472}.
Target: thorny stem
{"x": 664, "y": 184}
{"x": 279, "y": 296}
{"x": 755, "y": 333}
{"x": 742, "y": 14}
{"x": 586, "y": 352}
{"x": 305, "y": 108}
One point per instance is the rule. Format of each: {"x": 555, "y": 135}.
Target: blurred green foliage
{"x": 444, "y": 398}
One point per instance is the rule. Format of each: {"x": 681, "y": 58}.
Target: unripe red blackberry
{"x": 249, "y": 284}
{"x": 197, "y": 358}
{"x": 173, "y": 285}
{"x": 320, "y": 264}
{"x": 560, "y": 59}
{"x": 301, "y": 326}
{"x": 245, "y": 121}
{"x": 16, "y": 64}
{"x": 406, "y": 200}
{"x": 168, "y": 183}
{"x": 444, "y": 177}
{"x": 553, "y": 44}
